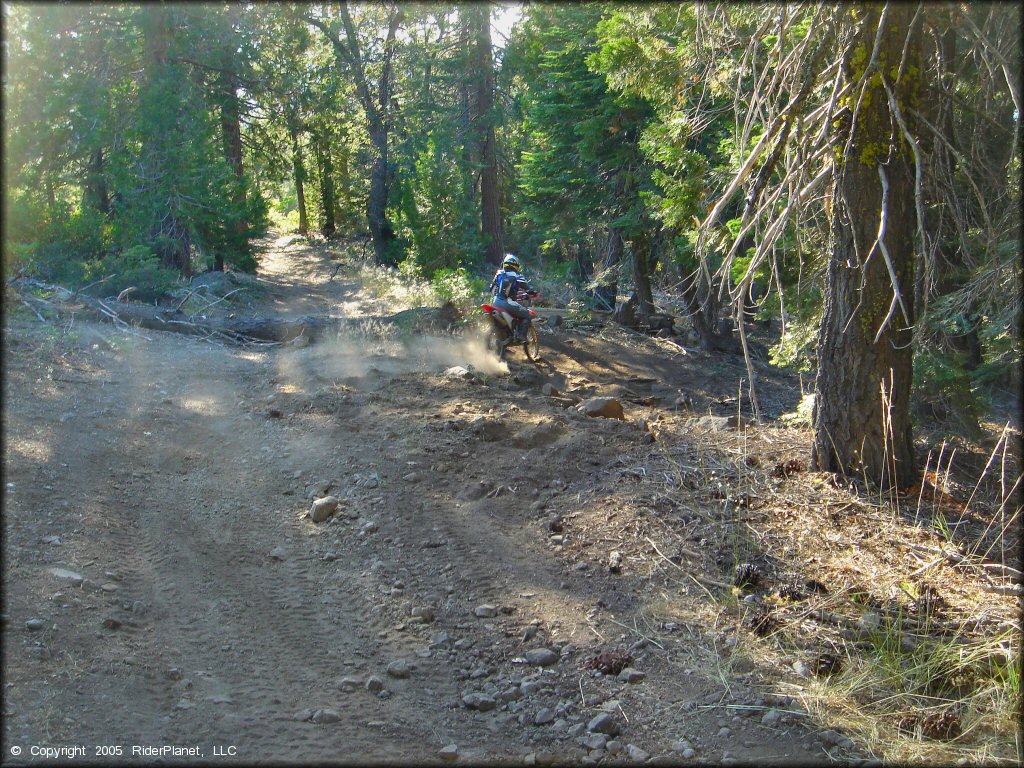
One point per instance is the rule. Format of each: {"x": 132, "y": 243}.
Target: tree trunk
{"x": 702, "y": 307}
{"x": 607, "y": 290}
{"x": 376, "y": 206}
{"x": 326, "y": 170}
{"x": 171, "y": 241}
{"x": 483, "y": 76}
{"x": 861, "y": 415}
{"x": 299, "y": 175}
{"x": 231, "y": 134}
{"x": 642, "y": 275}
{"x": 96, "y": 193}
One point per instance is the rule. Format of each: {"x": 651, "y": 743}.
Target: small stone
{"x": 550, "y": 390}
{"x": 771, "y": 717}
{"x": 485, "y": 611}
{"x": 529, "y": 632}
{"x": 278, "y": 553}
{"x": 111, "y": 623}
{"x": 109, "y": 587}
{"x": 541, "y": 657}
{"x": 604, "y": 407}
{"x": 34, "y": 625}
{"x": 323, "y": 508}
{"x": 544, "y": 717}
{"x": 630, "y": 675}
{"x": 614, "y": 747}
{"x": 75, "y": 578}
{"x": 603, "y": 723}
{"x": 724, "y": 733}
{"x": 578, "y": 729}
{"x": 529, "y": 686}
{"x": 688, "y": 754}
{"x": 348, "y": 684}
{"x": 324, "y": 716}
{"x": 595, "y": 741}
{"x": 801, "y": 669}
{"x": 412, "y": 477}
{"x": 374, "y": 684}
{"x": 172, "y": 673}
{"x": 399, "y": 669}
{"x": 423, "y": 613}
{"x": 615, "y": 562}
{"x": 449, "y": 753}
{"x": 439, "y": 639}
{"x": 636, "y": 754}
{"x": 369, "y": 527}
{"x": 479, "y": 701}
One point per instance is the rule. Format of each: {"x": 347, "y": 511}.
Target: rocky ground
{"x": 380, "y": 549}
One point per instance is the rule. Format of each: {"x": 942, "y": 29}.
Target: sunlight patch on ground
{"x": 36, "y": 450}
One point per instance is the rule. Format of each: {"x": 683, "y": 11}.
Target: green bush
{"x": 137, "y": 267}
{"x": 458, "y": 287}
{"x": 943, "y": 392}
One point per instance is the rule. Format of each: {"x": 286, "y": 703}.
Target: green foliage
{"x": 943, "y": 391}
{"x": 137, "y": 267}
{"x": 458, "y": 287}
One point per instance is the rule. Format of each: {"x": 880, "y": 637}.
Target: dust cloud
{"x": 357, "y": 355}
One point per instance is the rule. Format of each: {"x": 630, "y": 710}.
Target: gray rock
{"x": 348, "y": 684}
{"x": 323, "y": 508}
{"x": 423, "y": 613}
{"x": 323, "y": 716}
{"x": 577, "y": 729}
{"x": 595, "y": 741}
{"x": 412, "y": 477}
{"x": 374, "y": 684}
{"x": 771, "y": 717}
{"x": 541, "y": 657}
{"x": 458, "y": 372}
{"x": 614, "y": 747}
{"x": 485, "y": 611}
{"x": 439, "y": 639}
{"x": 399, "y": 669}
{"x": 529, "y": 632}
{"x": 688, "y": 754}
{"x": 544, "y": 717}
{"x": 479, "y": 701}
{"x": 529, "y": 686}
{"x": 34, "y": 625}
{"x": 636, "y": 754}
{"x": 604, "y": 723}
{"x": 278, "y": 553}
{"x": 75, "y": 578}
{"x": 630, "y": 675}
{"x": 368, "y": 527}
{"x": 680, "y": 745}
{"x": 449, "y": 753}
{"x": 724, "y": 733}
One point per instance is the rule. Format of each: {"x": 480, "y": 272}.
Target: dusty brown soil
{"x": 155, "y": 524}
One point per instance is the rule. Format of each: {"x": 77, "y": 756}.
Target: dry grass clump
{"x": 902, "y": 619}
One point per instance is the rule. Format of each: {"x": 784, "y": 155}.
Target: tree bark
{"x": 96, "y": 192}
{"x": 861, "y": 417}
{"x": 482, "y": 74}
{"x": 170, "y": 239}
{"x": 299, "y": 175}
{"x": 231, "y": 134}
{"x": 326, "y": 171}
{"x": 606, "y": 292}
{"x": 642, "y": 275}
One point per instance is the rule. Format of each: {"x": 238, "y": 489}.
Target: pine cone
{"x": 747, "y": 575}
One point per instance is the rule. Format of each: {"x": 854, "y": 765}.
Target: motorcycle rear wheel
{"x": 532, "y": 344}
{"x": 493, "y": 342}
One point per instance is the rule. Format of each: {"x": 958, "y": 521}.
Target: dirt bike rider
{"x": 508, "y": 282}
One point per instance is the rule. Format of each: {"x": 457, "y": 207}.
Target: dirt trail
{"x": 174, "y": 477}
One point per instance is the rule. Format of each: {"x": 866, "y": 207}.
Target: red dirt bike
{"x": 499, "y": 330}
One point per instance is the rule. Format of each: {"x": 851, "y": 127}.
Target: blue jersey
{"x": 507, "y": 283}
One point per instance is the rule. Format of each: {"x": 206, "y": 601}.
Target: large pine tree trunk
{"x": 376, "y": 207}
{"x": 483, "y": 75}
{"x": 96, "y": 191}
{"x": 862, "y": 424}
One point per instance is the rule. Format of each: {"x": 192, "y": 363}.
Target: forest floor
{"x": 493, "y": 548}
